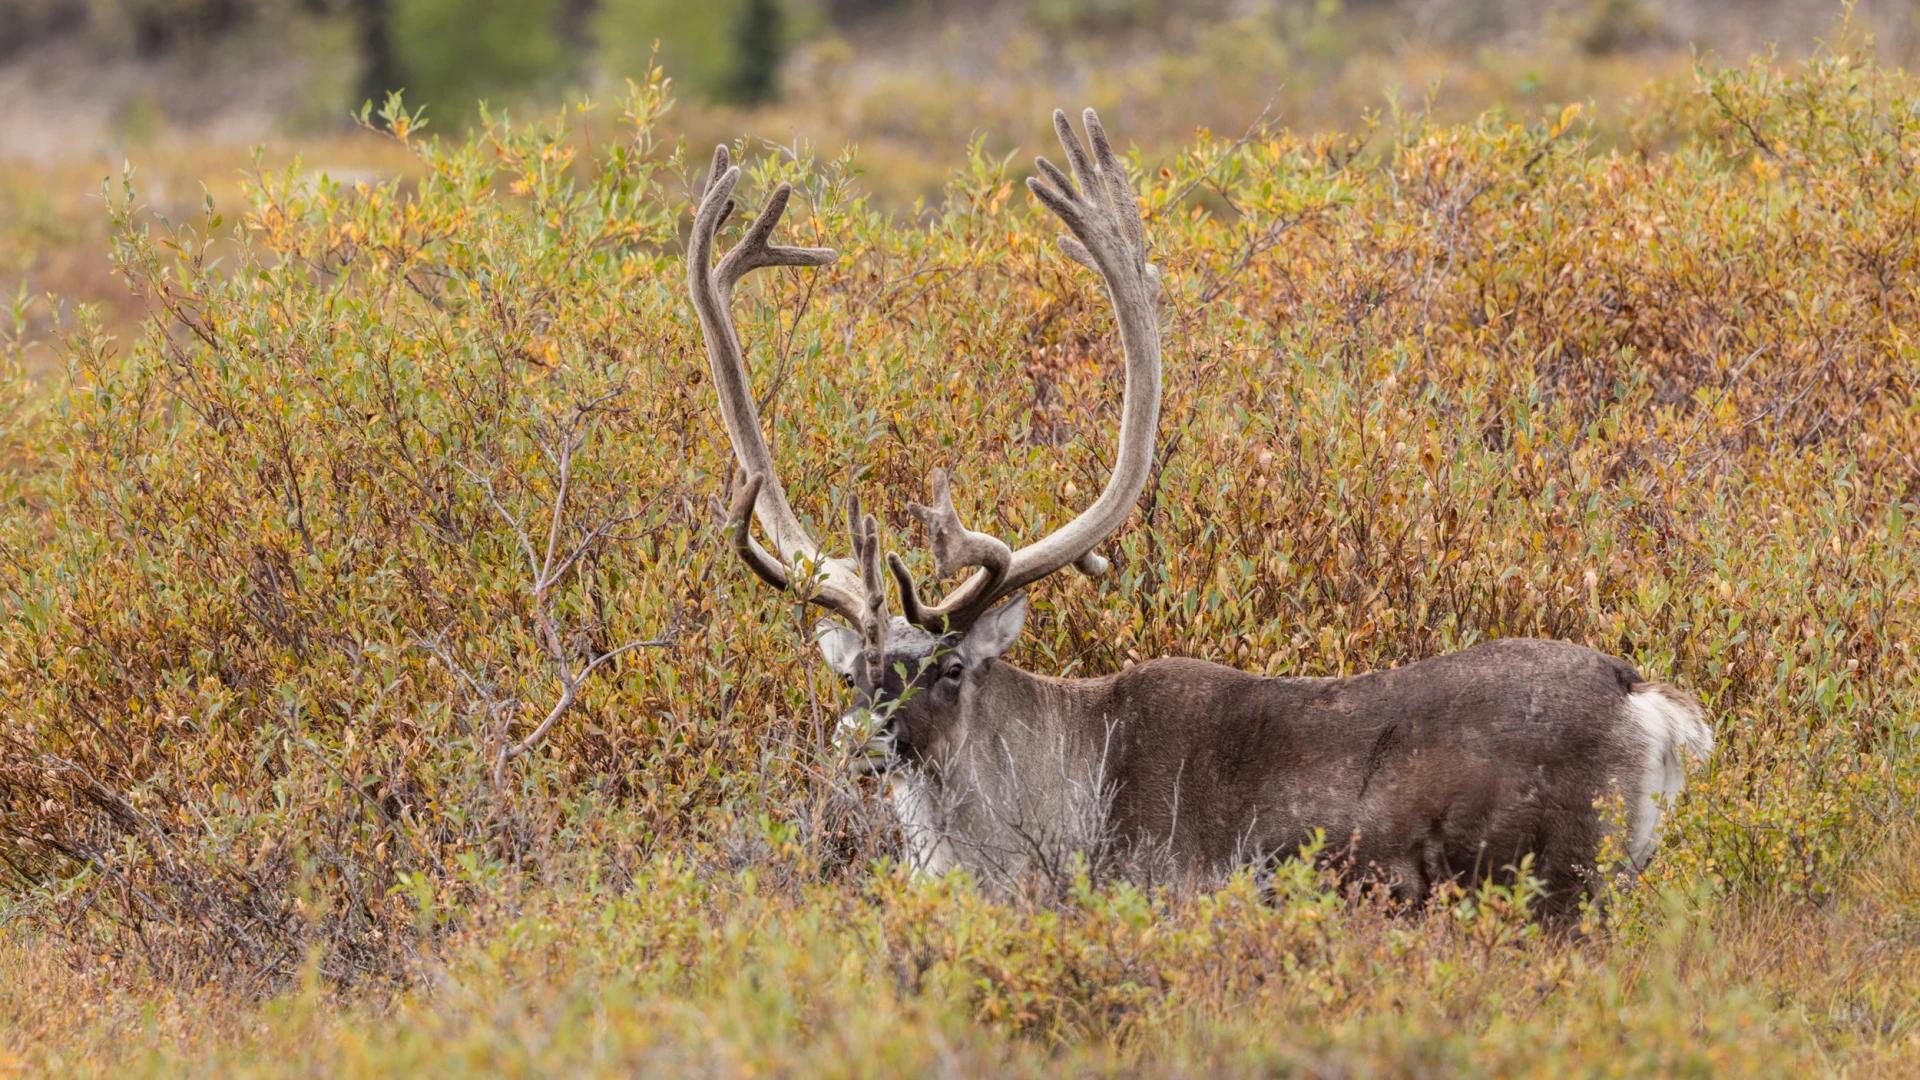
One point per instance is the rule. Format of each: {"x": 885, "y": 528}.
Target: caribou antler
{"x": 954, "y": 547}
{"x": 1103, "y": 217}
{"x": 1099, "y": 209}
{"x": 839, "y": 586}
{"x": 872, "y": 621}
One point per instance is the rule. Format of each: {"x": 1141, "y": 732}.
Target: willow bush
{"x": 291, "y": 572}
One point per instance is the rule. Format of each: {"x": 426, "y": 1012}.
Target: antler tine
{"x": 1118, "y": 193}
{"x": 722, "y": 161}
{"x": 1102, "y": 216}
{"x": 838, "y": 586}
{"x": 954, "y": 546}
{"x": 911, "y": 607}
{"x": 740, "y": 528}
{"x": 753, "y": 251}
{"x": 873, "y": 616}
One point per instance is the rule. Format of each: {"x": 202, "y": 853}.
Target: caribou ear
{"x": 994, "y": 632}
{"x": 841, "y": 645}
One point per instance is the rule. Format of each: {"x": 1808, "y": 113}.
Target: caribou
{"x": 1512, "y": 753}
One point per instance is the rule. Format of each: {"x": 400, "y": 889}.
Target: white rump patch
{"x": 1672, "y": 724}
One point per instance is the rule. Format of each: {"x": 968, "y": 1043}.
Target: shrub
{"x": 279, "y": 598}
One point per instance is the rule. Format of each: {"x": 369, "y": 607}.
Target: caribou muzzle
{"x": 869, "y": 741}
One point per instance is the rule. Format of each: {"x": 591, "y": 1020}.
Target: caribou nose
{"x": 867, "y": 739}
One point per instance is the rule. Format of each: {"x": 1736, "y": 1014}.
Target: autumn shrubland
{"x": 393, "y": 461}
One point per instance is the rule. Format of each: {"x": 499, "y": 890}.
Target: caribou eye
{"x": 953, "y": 670}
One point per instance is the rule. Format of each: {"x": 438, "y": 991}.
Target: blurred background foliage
{"x": 1482, "y": 319}
{"x": 447, "y": 54}
{"x": 185, "y": 88}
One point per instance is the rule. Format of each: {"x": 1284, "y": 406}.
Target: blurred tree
{"x": 372, "y": 19}
{"x": 143, "y": 27}
{"x": 1105, "y": 16}
{"x": 1606, "y": 27}
{"x": 844, "y": 11}
{"x": 29, "y": 22}
{"x": 758, "y": 47}
{"x": 692, "y": 39}
{"x": 452, "y": 53}
{"x": 576, "y": 22}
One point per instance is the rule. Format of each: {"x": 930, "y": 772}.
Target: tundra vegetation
{"x": 401, "y": 470}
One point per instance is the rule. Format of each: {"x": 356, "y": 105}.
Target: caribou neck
{"x": 1019, "y": 785}
{"x": 1018, "y": 710}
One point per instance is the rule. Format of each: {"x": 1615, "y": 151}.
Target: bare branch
{"x": 548, "y": 573}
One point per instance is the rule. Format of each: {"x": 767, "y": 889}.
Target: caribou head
{"x": 925, "y": 653}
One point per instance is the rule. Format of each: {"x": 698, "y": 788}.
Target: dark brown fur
{"x": 1450, "y": 769}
